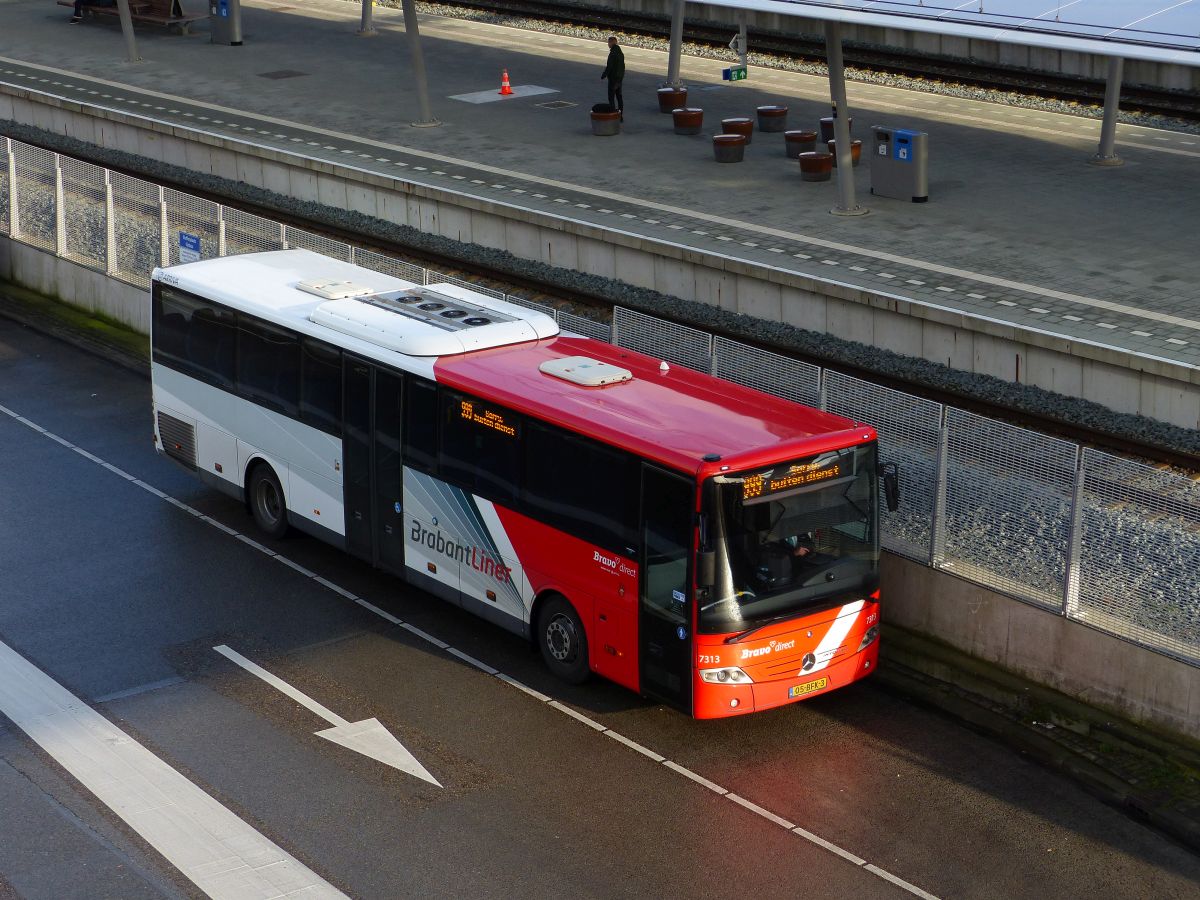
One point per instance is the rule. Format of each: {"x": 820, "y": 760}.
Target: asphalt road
{"x": 120, "y": 596}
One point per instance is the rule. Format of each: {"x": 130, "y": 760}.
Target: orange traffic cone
{"x": 505, "y": 87}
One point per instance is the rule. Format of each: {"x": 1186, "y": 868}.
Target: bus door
{"x": 665, "y": 614}
{"x": 371, "y": 459}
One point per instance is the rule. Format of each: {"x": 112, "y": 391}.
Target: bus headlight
{"x": 728, "y": 675}
{"x": 871, "y": 635}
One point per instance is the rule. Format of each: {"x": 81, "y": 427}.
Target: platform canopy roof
{"x": 1165, "y": 31}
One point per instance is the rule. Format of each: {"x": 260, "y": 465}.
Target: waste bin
{"x": 899, "y": 163}
{"x": 225, "y": 22}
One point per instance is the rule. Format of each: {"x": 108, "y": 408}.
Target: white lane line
{"x": 766, "y": 814}
{"x": 501, "y": 676}
{"x": 222, "y": 855}
{"x": 899, "y": 882}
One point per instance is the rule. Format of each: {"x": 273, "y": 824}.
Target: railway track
{"x": 800, "y": 48}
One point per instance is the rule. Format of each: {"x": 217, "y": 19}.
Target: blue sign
{"x": 189, "y": 247}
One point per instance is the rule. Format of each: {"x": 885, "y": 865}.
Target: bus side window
{"x": 211, "y": 346}
{"x": 268, "y": 364}
{"x": 321, "y": 386}
{"x": 171, "y": 314}
{"x": 420, "y": 425}
{"x": 581, "y": 486}
{"x": 481, "y": 447}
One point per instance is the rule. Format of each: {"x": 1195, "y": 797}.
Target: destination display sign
{"x": 487, "y": 417}
{"x": 788, "y": 477}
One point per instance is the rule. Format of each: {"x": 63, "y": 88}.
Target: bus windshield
{"x": 790, "y": 537}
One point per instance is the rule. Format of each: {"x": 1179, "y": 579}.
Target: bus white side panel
{"x": 317, "y": 499}
{"x": 445, "y": 527}
{"x": 307, "y": 461}
{"x": 217, "y": 448}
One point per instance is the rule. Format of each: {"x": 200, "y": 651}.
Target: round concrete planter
{"x": 740, "y": 125}
{"x": 671, "y": 98}
{"x": 855, "y": 151}
{"x": 772, "y": 118}
{"x": 797, "y": 142}
{"x": 827, "y": 128}
{"x": 688, "y": 120}
{"x": 729, "y": 148}
{"x": 815, "y": 166}
{"x": 605, "y": 124}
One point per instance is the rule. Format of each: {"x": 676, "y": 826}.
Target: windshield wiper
{"x": 733, "y": 639}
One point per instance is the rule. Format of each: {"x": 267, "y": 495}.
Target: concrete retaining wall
{"x": 1094, "y": 667}
{"x": 1112, "y": 378}
{"x": 54, "y": 276}
{"x": 1174, "y": 77}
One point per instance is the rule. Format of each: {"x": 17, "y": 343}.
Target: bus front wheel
{"x": 563, "y": 641}
{"x": 266, "y": 502}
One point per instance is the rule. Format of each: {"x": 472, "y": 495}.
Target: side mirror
{"x": 891, "y": 485}
{"x": 706, "y": 568}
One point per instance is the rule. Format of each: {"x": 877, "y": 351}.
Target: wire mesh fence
{"x": 670, "y": 341}
{"x": 576, "y": 324}
{"x": 194, "y": 218}
{"x": 5, "y": 187}
{"x": 85, "y": 228}
{"x": 770, "y": 372}
{"x": 1139, "y": 558}
{"x": 296, "y": 237}
{"x": 1108, "y": 542}
{"x": 248, "y": 233}
{"x": 33, "y": 192}
{"x": 1007, "y": 507}
{"x": 909, "y": 431}
{"x": 388, "y": 265}
{"x": 137, "y": 228}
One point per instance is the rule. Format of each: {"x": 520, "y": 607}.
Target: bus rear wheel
{"x": 266, "y": 502}
{"x": 563, "y": 641}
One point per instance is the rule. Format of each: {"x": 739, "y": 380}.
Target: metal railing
{"x": 1100, "y": 539}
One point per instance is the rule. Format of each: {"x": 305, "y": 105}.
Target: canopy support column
{"x": 841, "y": 123}
{"x": 126, "y": 17}
{"x": 1107, "y": 154}
{"x": 418, "y": 63}
{"x": 676, "y": 51}
{"x": 367, "y": 27}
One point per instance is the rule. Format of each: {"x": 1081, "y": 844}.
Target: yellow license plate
{"x": 808, "y": 687}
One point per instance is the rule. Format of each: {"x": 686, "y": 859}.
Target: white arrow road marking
{"x": 368, "y": 737}
{"x": 221, "y": 854}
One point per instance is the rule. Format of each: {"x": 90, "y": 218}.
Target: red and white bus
{"x": 702, "y": 543}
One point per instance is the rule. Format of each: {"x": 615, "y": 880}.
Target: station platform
{"x": 1021, "y": 241}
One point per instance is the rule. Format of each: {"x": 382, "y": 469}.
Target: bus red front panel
{"x": 788, "y": 662}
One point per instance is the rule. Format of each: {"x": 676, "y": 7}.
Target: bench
{"x": 156, "y": 12}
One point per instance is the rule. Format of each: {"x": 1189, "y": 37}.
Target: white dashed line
{"x": 1142, "y": 333}
{"x": 1039, "y": 310}
{"x": 1177, "y": 341}
{"x": 1005, "y": 303}
{"x": 1104, "y": 325}
{"x": 1072, "y": 318}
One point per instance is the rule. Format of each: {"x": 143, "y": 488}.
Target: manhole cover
{"x": 281, "y": 73}
{"x": 557, "y": 104}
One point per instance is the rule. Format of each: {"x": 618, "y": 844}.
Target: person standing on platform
{"x": 615, "y": 73}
